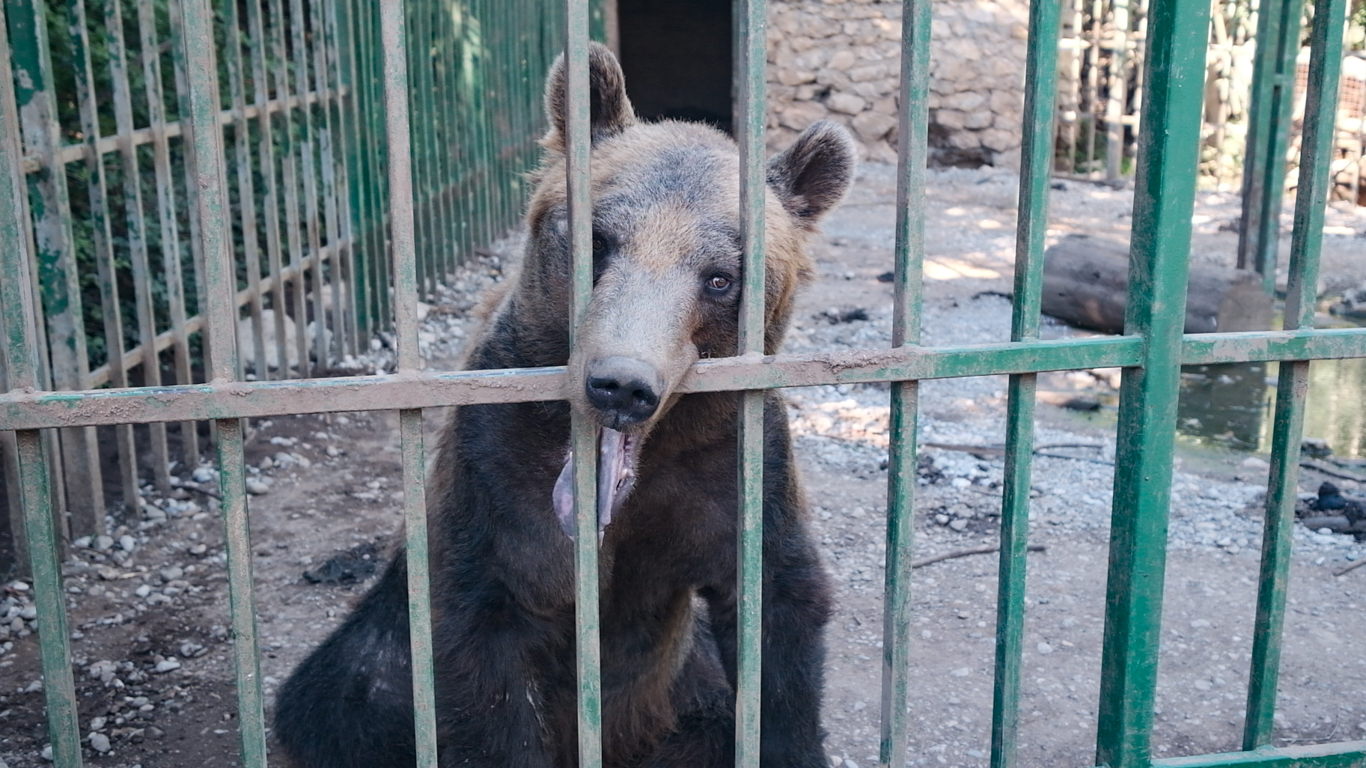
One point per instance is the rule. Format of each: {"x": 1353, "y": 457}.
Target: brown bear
{"x": 667, "y": 275}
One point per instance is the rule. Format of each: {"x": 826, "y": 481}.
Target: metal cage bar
{"x": 751, "y": 25}
{"x": 1160, "y": 249}
{"x": 909, "y": 257}
{"x": 406, "y": 284}
{"x": 1035, "y": 161}
{"x": 1293, "y": 386}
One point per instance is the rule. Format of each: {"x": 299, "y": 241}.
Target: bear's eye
{"x": 718, "y": 284}
{"x": 599, "y": 245}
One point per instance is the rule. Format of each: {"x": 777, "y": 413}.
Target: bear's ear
{"x": 813, "y": 174}
{"x": 610, "y": 111}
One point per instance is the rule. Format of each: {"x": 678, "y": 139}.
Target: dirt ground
{"x": 148, "y": 605}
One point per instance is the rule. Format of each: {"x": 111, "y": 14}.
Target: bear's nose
{"x": 623, "y": 389}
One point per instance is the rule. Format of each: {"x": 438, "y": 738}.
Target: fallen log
{"x": 1085, "y": 283}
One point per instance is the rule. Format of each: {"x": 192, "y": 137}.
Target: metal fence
{"x": 109, "y": 195}
{"x": 1150, "y": 353}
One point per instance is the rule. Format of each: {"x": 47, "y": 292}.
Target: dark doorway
{"x": 677, "y": 57}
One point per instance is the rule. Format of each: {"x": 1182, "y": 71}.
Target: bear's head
{"x": 667, "y": 268}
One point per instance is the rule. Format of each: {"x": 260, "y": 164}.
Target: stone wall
{"x": 840, "y": 60}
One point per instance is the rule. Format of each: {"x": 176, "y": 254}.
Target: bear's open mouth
{"x": 618, "y": 454}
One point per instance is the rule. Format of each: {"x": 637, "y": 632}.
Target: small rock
{"x": 1253, "y": 462}
{"x": 1044, "y": 648}
{"x": 104, "y": 543}
{"x": 1203, "y": 685}
{"x": 47, "y": 753}
{"x": 941, "y": 519}
{"x": 167, "y": 665}
{"x": 143, "y": 591}
{"x": 959, "y": 525}
{"x": 198, "y": 550}
{"x": 127, "y": 543}
{"x": 961, "y": 672}
{"x": 172, "y": 572}
{"x": 333, "y": 451}
{"x": 97, "y": 724}
{"x": 204, "y": 475}
{"x": 256, "y": 487}
{"x": 99, "y": 742}
{"x": 1200, "y": 624}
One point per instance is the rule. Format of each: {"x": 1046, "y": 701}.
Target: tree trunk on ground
{"x": 1085, "y": 280}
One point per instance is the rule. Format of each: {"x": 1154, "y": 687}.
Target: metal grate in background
{"x": 1150, "y": 354}
{"x": 109, "y": 198}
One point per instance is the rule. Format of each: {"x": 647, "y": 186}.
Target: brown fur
{"x": 666, "y": 223}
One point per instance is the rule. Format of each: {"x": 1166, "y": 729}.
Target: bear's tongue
{"x": 617, "y": 453}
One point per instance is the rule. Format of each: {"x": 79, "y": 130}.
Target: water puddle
{"x": 1232, "y": 405}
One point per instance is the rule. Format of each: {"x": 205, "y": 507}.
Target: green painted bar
{"x": 1315, "y": 181}
{"x": 167, "y": 207}
{"x": 61, "y": 304}
{"x": 246, "y": 185}
{"x": 1163, "y": 201}
{"x": 1268, "y": 136}
{"x": 583, "y": 436}
{"x": 1035, "y": 176}
{"x": 308, "y": 174}
{"x": 419, "y": 586}
{"x": 18, "y": 316}
{"x": 1348, "y": 754}
{"x": 329, "y": 101}
{"x": 241, "y": 594}
{"x": 347, "y": 101}
{"x": 42, "y": 409}
{"x": 105, "y": 266}
{"x": 292, "y": 186}
{"x": 751, "y": 29}
{"x": 218, "y": 305}
{"x": 908, "y": 286}
{"x": 399, "y": 132}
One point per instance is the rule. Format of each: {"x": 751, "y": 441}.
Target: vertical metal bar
{"x": 98, "y": 188}
{"x": 307, "y": 160}
{"x": 1163, "y": 201}
{"x": 1268, "y": 136}
{"x": 342, "y": 53}
{"x": 409, "y": 361}
{"x": 57, "y": 270}
{"x": 912, "y": 151}
{"x": 583, "y": 433}
{"x": 178, "y": 66}
{"x": 18, "y": 320}
{"x": 265, "y": 151}
{"x": 329, "y": 102}
{"x": 1036, "y": 160}
{"x": 219, "y": 308}
{"x": 246, "y": 184}
{"x": 751, "y": 27}
{"x": 170, "y": 243}
{"x": 1315, "y": 182}
{"x": 137, "y": 234}
{"x": 292, "y": 183}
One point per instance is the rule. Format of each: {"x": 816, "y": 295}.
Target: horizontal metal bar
{"x": 1347, "y": 754}
{"x": 40, "y": 410}
{"x": 134, "y": 357}
{"x": 110, "y": 144}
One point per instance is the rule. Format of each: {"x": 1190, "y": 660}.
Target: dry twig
{"x": 924, "y": 561}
